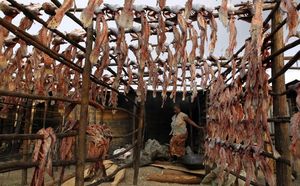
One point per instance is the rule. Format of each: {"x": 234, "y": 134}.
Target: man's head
{"x": 176, "y": 108}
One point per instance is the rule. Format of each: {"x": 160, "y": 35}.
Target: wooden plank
{"x": 168, "y": 178}
{"x": 179, "y": 168}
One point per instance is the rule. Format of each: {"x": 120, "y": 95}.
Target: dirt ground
{"x": 14, "y": 178}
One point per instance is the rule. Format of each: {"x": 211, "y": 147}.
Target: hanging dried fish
{"x": 130, "y": 77}
{"x": 101, "y": 37}
{"x": 292, "y": 17}
{"x": 183, "y": 75}
{"x": 194, "y": 38}
{"x": 161, "y": 4}
{"x": 245, "y": 58}
{"x": 25, "y": 23}
{"x": 174, "y": 84}
{"x": 213, "y": 35}
{"x": 10, "y": 13}
{"x": 87, "y": 14}
{"x": 165, "y": 84}
{"x": 188, "y": 9}
{"x": 59, "y": 14}
{"x": 202, "y": 24}
{"x": 182, "y": 23}
{"x": 205, "y": 76}
{"x": 98, "y": 142}
{"x": 296, "y": 88}
{"x": 295, "y": 131}
{"x": 125, "y": 20}
{"x": 43, "y": 154}
{"x": 223, "y": 13}
{"x": 122, "y": 52}
{"x": 257, "y": 27}
{"x": 161, "y": 36}
{"x": 49, "y": 8}
{"x": 232, "y": 38}
{"x": 144, "y": 57}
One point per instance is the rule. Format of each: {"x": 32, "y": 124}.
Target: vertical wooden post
{"x": 102, "y": 117}
{"x": 200, "y": 133}
{"x": 95, "y": 115}
{"x": 134, "y": 123}
{"x": 191, "y": 133}
{"x": 45, "y": 114}
{"x": 27, "y": 125}
{"x": 83, "y": 122}
{"x": 137, "y": 152}
{"x": 283, "y": 171}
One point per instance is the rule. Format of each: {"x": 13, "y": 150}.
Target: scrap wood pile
{"x": 98, "y": 141}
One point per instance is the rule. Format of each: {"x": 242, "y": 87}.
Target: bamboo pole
{"x": 84, "y": 119}
{"x": 283, "y": 171}
{"x": 136, "y": 165}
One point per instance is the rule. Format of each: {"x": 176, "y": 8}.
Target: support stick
{"x": 83, "y": 122}
{"x": 283, "y": 171}
{"x": 28, "y": 114}
{"x": 136, "y": 164}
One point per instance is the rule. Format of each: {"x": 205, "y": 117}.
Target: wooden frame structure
{"x": 278, "y": 69}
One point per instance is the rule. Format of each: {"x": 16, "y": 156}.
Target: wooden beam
{"x": 33, "y": 136}
{"x": 283, "y": 171}
{"x": 285, "y": 67}
{"x": 84, "y": 118}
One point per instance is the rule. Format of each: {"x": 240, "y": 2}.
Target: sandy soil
{"x": 14, "y": 178}
{"x": 144, "y": 172}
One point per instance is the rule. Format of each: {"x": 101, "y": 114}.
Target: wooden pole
{"x": 45, "y": 114}
{"x": 283, "y": 171}
{"x": 83, "y": 122}
{"x": 136, "y": 165}
{"x": 28, "y": 114}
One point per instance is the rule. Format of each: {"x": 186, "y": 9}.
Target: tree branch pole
{"x": 283, "y": 171}
{"x": 294, "y": 59}
{"x": 136, "y": 165}
{"x": 84, "y": 119}
{"x": 26, "y": 142}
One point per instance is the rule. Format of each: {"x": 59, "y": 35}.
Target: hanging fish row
{"x": 24, "y": 69}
